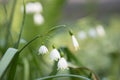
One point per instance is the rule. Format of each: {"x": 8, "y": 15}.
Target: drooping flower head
{"x": 74, "y": 40}
{"x": 43, "y": 49}
{"x": 62, "y": 64}
{"x": 54, "y": 54}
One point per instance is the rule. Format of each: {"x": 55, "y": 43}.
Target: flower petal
{"x": 43, "y": 49}
{"x": 62, "y": 64}
{"x": 54, "y": 54}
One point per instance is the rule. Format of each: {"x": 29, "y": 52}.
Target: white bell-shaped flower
{"x": 75, "y": 42}
{"x": 62, "y": 64}
{"x": 54, "y": 54}
{"x": 32, "y": 8}
{"x": 43, "y": 49}
{"x": 38, "y": 19}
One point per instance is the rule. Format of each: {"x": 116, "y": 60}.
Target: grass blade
{"x": 6, "y": 60}
{"x": 8, "y": 32}
{"x": 64, "y": 75}
{"x": 26, "y": 69}
{"x": 21, "y": 29}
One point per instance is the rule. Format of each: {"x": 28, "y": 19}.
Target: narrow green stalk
{"x": 22, "y": 25}
{"x": 36, "y": 61}
{"x": 63, "y": 75}
{"x": 92, "y": 72}
{"x": 4, "y": 6}
{"x": 26, "y": 69}
{"x": 47, "y": 34}
{"x": 53, "y": 28}
{"x": 29, "y": 43}
{"x": 8, "y": 33}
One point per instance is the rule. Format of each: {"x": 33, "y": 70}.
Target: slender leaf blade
{"x": 6, "y": 60}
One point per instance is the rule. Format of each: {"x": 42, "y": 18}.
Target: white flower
{"x": 43, "y": 49}
{"x": 92, "y": 33}
{"x": 75, "y": 42}
{"x": 38, "y": 7}
{"x": 62, "y": 64}
{"x": 32, "y": 8}
{"x": 54, "y": 54}
{"x": 100, "y": 30}
{"x": 82, "y": 35}
{"x": 29, "y": 8}
{"x": 38, "y": 19}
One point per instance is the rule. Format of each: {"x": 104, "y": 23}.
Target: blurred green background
{"x": 95, "y": 23}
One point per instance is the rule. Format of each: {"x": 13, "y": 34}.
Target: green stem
{"x": 40, "y": 36}
{"x": 26, "y": 69}
{"x": 22, "y": 25}
{"x": 53, "y": 28}
{"x": 5, "y": 9}
{"x": 35, "y": 58}
{"x": 63, "y": 75}
{"x": 28, "y": 43}
{"x": 10, "y": 23}
{"x": 96, "y": 77}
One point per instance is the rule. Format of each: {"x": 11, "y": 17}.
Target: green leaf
{"x": 26, "y": 69}
{"x": 64, "y": 75}
{"x": 6, "y": 60}
{"x": 84, "y": 71}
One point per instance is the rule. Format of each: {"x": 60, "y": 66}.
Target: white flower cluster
{"x": 55, "y": 54}
{"x": 62, "y": 63}
{"x": 34, "y": 8}
{"x": 99, "y": 31}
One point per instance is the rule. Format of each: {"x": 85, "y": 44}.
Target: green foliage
{"x": 7, "y": 60}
